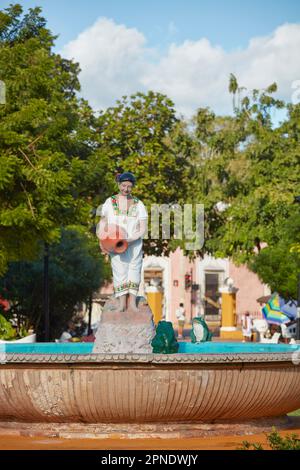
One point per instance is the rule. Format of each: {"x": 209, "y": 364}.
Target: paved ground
{"x": 209, "y": 443}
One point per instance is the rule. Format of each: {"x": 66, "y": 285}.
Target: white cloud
{"x": 116, "y": 61}
{"x": 112, "y": 59}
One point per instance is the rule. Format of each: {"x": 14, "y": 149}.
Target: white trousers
{"x": 126, "y": 268}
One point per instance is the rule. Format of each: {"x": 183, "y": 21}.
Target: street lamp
{"x": 298, "y": 312}
{"x": 46, "y": 294}
{"x": 93, "y": 214}
{"x": 297, "y": 201}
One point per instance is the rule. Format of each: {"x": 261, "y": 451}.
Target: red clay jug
{"x": 113, "y": 240}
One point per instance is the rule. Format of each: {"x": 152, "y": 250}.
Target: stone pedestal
{"x": 125, "y": 332}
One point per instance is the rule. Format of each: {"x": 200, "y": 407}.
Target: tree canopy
{"x": 44, "y": 137}
{"x": 59, "y": 158}
{"x": 252, "y": 168}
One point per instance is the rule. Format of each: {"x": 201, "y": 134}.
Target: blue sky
{"x": 183, "y": 48}
{"x": 229, "y": 23}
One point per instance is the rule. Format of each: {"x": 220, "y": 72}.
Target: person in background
{"x": 180, "y": 315}
{"x": 247, "y": 326}
{"x": 69, "y": 333}
{"x": 285, "y": 333}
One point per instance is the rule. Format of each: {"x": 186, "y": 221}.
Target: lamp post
{"x": 188, "y": 282}
{"x": 93, "y": 214}
{"x": 297, "y": 201}
{"x": 298, "y": 312}
{"x": 46, "y": 294}
{"x": 191, "y": 296}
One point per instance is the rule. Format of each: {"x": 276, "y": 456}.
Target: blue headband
{"x": 127, "y": 176}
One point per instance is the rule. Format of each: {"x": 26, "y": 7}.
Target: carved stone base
{"x": 125, "y": 332}
{"x": 148, "y": 431}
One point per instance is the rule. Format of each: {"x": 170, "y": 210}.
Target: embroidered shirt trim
{"x": 130, "y": 212}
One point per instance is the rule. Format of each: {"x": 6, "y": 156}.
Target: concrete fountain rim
{"x": 161, "y": 359}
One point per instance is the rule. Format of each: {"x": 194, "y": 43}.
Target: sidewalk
{"x": 208, "y": 443}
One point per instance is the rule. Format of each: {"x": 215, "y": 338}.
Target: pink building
{"x": 174, "y": 273}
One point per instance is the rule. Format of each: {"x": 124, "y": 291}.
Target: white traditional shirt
{"x": 180, "y": 313}
{"x": 128, "y": 220}
{"x": 65, "y": 337}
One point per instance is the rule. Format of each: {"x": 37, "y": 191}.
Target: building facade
{"x": 196, "y": 284}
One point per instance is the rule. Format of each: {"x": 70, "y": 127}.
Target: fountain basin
{"x": 67, "y": 383}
